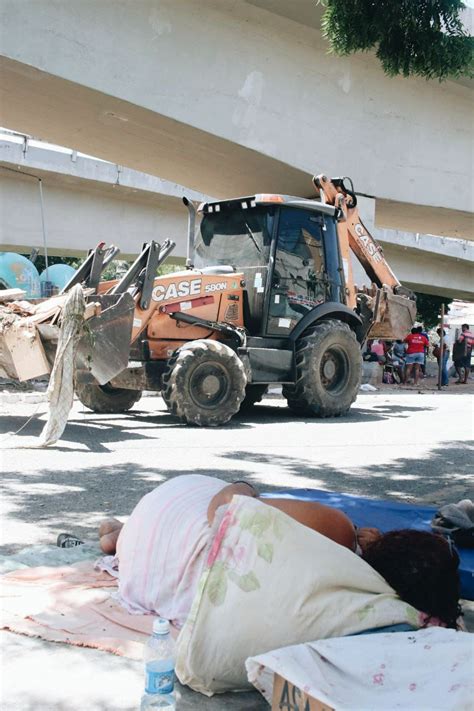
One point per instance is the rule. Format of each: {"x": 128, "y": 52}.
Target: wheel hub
{"x": 329, "y": 369}
{"x": 209, "y": 385}
{"x": 334, "y": 369}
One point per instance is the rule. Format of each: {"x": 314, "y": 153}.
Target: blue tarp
{"x": 387, "y": 516}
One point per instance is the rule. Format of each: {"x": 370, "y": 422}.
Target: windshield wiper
{"x": 252, "y": 237}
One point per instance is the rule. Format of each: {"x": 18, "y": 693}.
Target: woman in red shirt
{"x": 415, "y": 357}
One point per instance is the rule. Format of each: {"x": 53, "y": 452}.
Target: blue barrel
{"x": 17, "y": 272}
{"x": 54, "y": 278}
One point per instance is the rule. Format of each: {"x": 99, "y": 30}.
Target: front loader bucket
{"x": 28, "y": 349}
{"x": 394, "y": 315}
{"x": 22, "y": 356}
{"x": 104, "y": 347}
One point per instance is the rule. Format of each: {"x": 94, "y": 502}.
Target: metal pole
{"x": 191, "y": 231}
{"x": 45, "y": 247}
{"x": 441, "y": 349}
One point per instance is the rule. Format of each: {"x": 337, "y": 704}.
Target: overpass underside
{"x": 232, "y": 99}
{"x": 66, "y": 113}
{"x": 433, "y": 274}
{"x": 87, "y": 201}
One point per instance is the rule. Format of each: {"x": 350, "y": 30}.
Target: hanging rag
{"x": 61, "y": 384}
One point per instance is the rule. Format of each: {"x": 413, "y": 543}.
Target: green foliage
{"x": 169, "y": 268}
{"x": 411, "y": 37}
{"x": 115, "y": 270}
{"x": 428, "y": 308}
{"x": 40, "y": 262}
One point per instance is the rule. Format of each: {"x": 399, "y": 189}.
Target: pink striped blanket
{"x": 73, "y": 604}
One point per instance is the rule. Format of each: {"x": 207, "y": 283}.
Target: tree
{"x": 115, "y": 270}
{"x": 411, "y": 37}
{"x": 40, "y": 262}
{"x": 428, "y": 308}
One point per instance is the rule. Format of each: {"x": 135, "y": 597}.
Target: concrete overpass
{"x": 230, "y": 97}
{"x": 87, "y": 200}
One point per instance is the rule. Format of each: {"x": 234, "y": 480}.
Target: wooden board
{"x": 11, "y": 294}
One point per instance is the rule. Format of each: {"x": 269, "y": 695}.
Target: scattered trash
{"x": 367, "y": 387}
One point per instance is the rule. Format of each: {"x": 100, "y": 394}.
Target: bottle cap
{"x": 161, "y": 626}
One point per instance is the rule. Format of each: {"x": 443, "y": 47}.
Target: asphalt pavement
{"x": 404, "y": 445}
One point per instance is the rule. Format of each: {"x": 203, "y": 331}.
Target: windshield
{"x": 237, "y": 237}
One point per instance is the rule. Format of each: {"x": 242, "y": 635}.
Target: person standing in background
{"x": 416, "y": 344}
{"x": 466, "y": 339}
{"x": 443, "y": 356}
{"x": 421, "y": 330}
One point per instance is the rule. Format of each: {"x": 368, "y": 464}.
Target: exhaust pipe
{"x": 191, "y": 231}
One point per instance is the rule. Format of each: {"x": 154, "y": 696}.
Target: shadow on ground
{"x": 57, "y": 499}
{"x": 443, "y": 476}
{"x": 93, "y": 432}
{"x": 53, "y": 498}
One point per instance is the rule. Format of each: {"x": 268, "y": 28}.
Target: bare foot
{"x": 108, "y": 525}
{"x": 109, "y": 531}
{"x": 108, "y": 543}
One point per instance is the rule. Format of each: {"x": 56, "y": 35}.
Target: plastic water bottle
{"x": 159, "y": 669}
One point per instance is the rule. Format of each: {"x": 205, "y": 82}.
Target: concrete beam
{"x": 69, "y": 167}
{"x": 431, "y": 274}
{"x": 87, "y": 200}
{"x": 427, "y": 263}
{"x": 457, "y": 250}
{"x": 79, "y": 215}
{"x": 139, "y": 84}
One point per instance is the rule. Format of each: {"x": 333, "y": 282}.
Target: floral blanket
{"x": 411, "y": 671}
{"x": 270, "y": 582}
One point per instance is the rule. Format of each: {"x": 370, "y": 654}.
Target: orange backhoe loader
{"x": 267, "y": 297}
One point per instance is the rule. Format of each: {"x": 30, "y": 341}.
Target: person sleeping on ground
{"x": 160, "y": 550}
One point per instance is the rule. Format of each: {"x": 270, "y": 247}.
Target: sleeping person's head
{"x": 422, "y": 568}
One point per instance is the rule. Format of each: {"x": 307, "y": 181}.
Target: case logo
{"x": 187, "y": 287}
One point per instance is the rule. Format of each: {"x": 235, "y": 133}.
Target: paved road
{"x": 404, "y": 445}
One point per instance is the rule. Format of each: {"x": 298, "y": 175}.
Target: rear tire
{"x": 105, "y": 398}
{"x": 328, "y": 371}
{"x": 253, "y": 395}
{"x": 205, "y": 383}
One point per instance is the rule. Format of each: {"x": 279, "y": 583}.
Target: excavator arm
{"x": 387, "y": 308}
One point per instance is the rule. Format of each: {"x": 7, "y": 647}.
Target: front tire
{"x": 105, "y": 398}
{"x": 328, "y": 371}
{"x": 205, "y": 383}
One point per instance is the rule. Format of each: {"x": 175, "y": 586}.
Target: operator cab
{"x": 286, "y": 247}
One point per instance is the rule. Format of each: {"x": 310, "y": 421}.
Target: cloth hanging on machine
{"x": 61, "y": 384}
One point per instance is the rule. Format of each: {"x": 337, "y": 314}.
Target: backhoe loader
{"x": 267, "y": 297}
